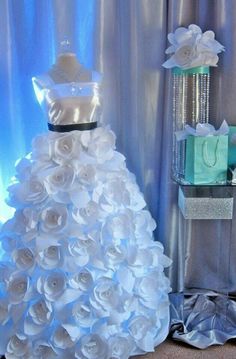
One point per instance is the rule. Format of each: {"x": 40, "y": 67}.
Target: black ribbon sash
{"x": 73, "y": 127}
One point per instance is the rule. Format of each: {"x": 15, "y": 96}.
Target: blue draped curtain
{"x": 126, "y": 40}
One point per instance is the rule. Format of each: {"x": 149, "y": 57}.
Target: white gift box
{"x": 206, "y": 202}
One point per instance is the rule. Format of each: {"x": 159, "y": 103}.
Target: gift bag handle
{"x": 206, "y": 156}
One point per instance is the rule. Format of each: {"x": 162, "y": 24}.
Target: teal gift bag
{"x": 206, "y": 159}
{"x": 232, "y": 146}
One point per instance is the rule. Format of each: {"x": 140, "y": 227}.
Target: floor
{"x": 175, "y": 350}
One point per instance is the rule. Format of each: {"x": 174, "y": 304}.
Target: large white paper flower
{"x": 112, "y": 195}
{"x": 39, "y": 316}
{"x": 141, "y": 329}
{"x": 191, "y": 48}
{"x": 82, "y": 280}
{"x": 54, "y": 218}
{"x": 106, "y": 294}
{"x": 81, "y": 249}
{"x": 18, "y": 346}
{"x": 50, "y": 257}
{"x": 102, "y": 144}
{"x": 23, "y": 258}
{"x": 118, "y": 227}
{"x": 144, "y": 227}
{"x": 59, "y": 178}
{"x": 32, "y": 191}
{"x": 114, "y": 254}
{"x": 65, "y": 147}
{"x": 82, "y": 313}
{"x": 44, "y": 350}
{"x": 120, "y": 347}
{"x": 65, "y": 336}
{"x": 87, "y": 215}
{"x": 41, "y": 312}
{"x": 17, "y": 288}
{"x": 153, "y": 289}
{"x": 92, "y": 347}
{"x": 52, "y": 285}
{"x": 23, "y": 223}
{"x": 87, "y": 175}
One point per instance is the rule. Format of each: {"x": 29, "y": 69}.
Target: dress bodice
{"x": 69, "y": 103}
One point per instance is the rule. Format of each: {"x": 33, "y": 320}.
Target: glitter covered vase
{"x": 190, "y": 106}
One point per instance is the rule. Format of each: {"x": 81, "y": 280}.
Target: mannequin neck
{"x": 68, "y": 62}
{"x": 68, "y": 68}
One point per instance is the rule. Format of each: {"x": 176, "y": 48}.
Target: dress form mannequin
{"x": 76, "y": 105}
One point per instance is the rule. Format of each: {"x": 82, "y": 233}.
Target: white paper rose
{"x": 87, "y": 175}
{"x": 45, "y": 350}
{"x": 120, "y": 347}
{"x": 65, "y": 147}
{"x": 54, "y": 218}
{"x": 191, "y": 48}
{"x": 18, "y": 346}
{"x": 112, "y": 195}
{"x": 141, "y": 258}
{"x": 118, "y": 227}
{"x": 59, "y": 178}
{"x": 82, "y": 280}
{"x": 65, "y": 336}
{"x": 114, "y": 254}
{"x": 88, "y": 215}
{"x": 32, "y": 191}
{"x": 141, "y": 329}
{"x": 106, "y": 294}
{"x": 18, "y": 288}
{"x": 144, "y": 227}
{"x": 53, "y": 285}
{"x": 24, "y": 258}
{"x": 102, "y": 144}
{"x": 50, "y": 258}
{"x": 39, "y": 315}
{"x": 137, "y": 201}
{"x": 81, "y": 249}
{"x": 23, "y": 223}
{"x": 82, "y": 313}
{"x": 78, "y": 256}
{"x": 144, "y": 223}
{"x": 152, "y": 290}
{"x": 92, "y": 347}
{"x": 41, "y": 312}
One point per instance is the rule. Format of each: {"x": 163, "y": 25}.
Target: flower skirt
{"x": 81, "y": 276}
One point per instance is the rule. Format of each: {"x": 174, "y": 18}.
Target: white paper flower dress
{"x": 81, "y": 276}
